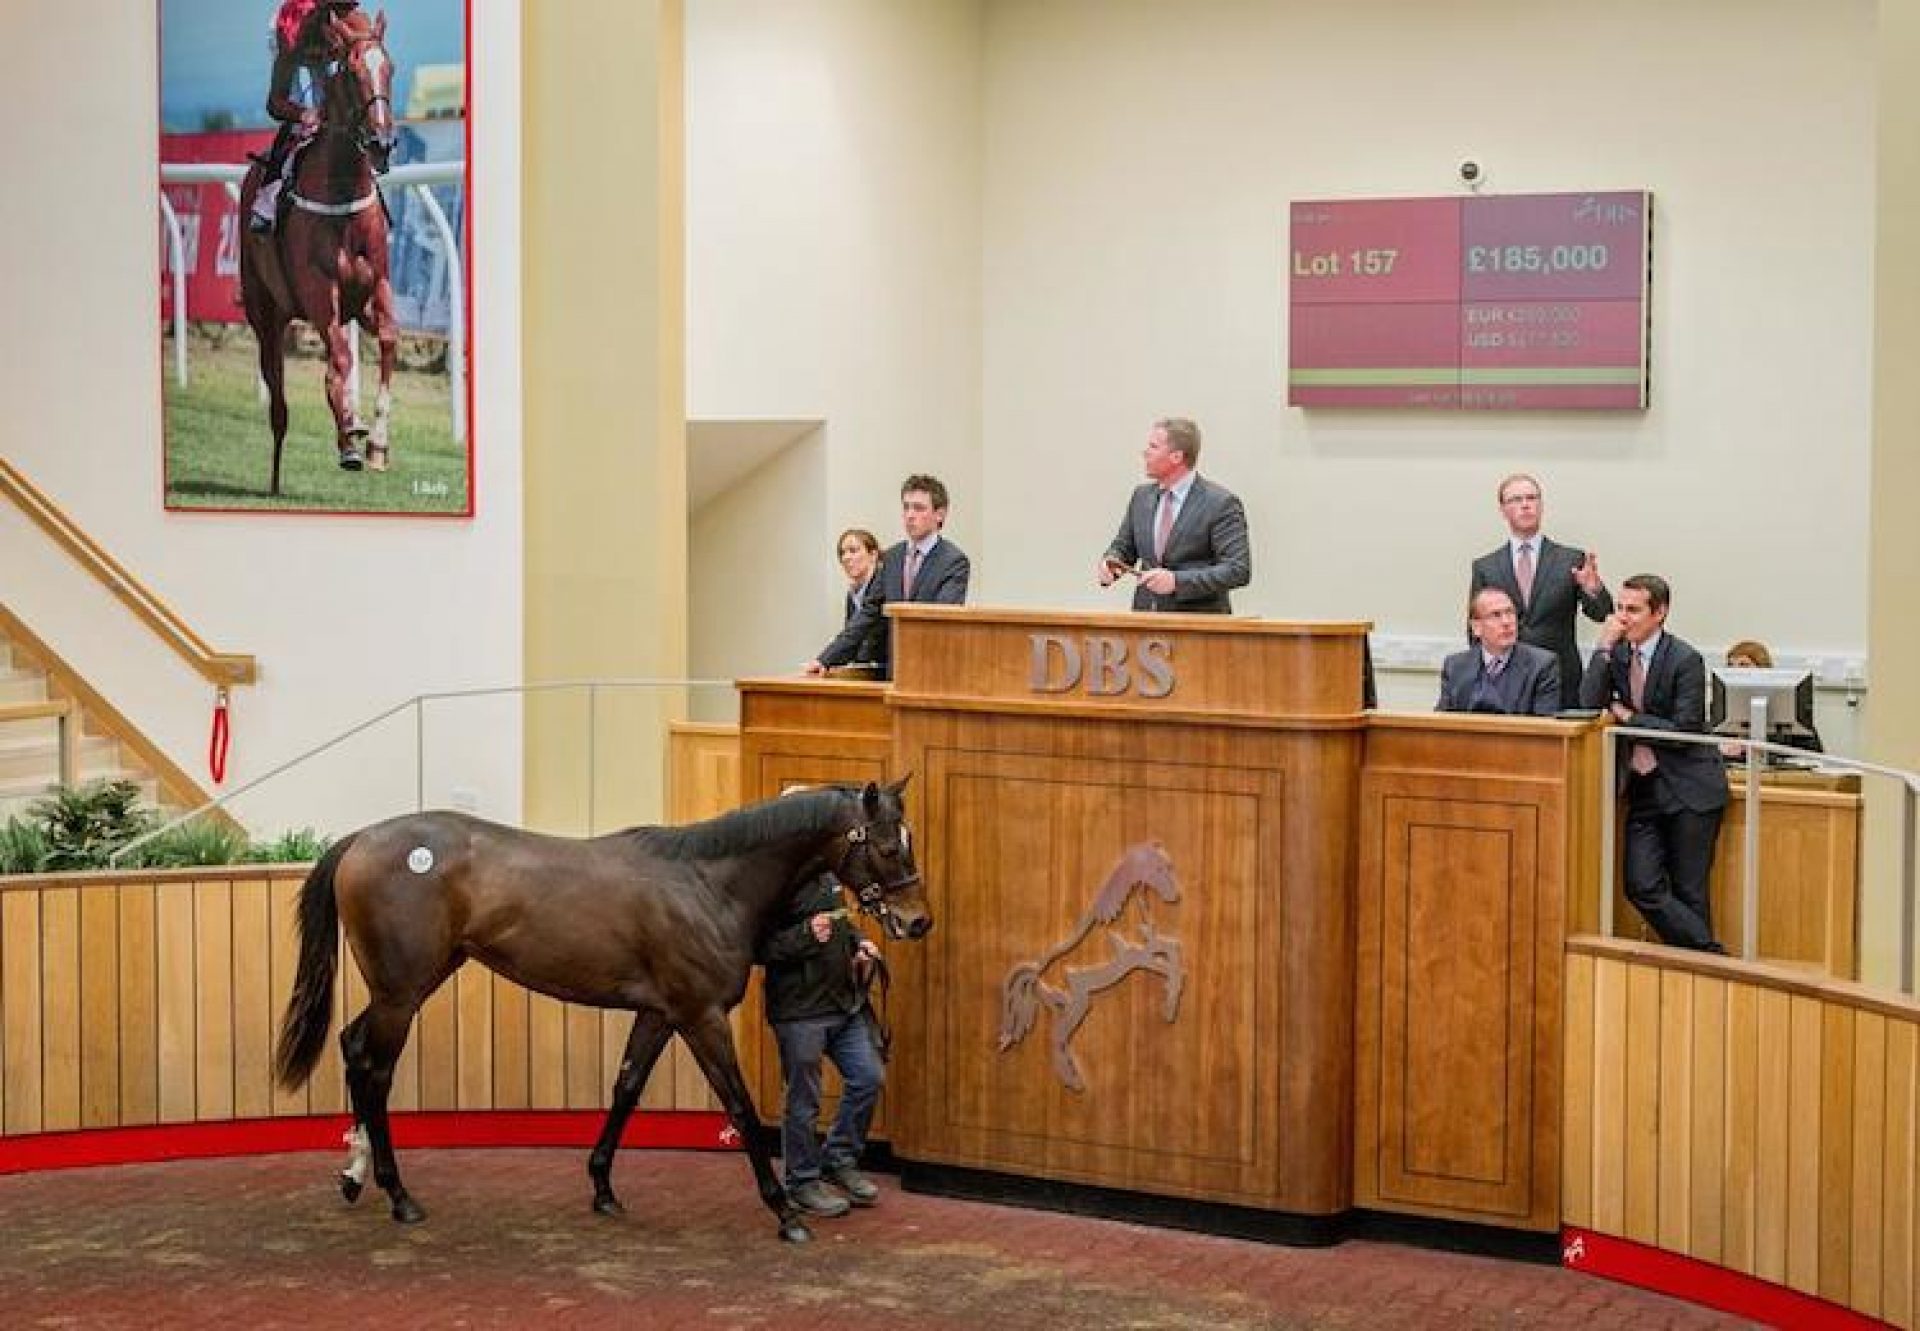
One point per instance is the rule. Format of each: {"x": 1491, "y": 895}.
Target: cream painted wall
{"x": 346, "y": 615}
{"x": 833, "y": 223}
{"x": 1894, "y": 633}
{"x": 1140, "y": 157}
{"x": 779, "y": 502}
{"x": 605, "y": 461}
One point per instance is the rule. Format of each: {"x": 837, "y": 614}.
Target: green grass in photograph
{"x": 220, "y": 448}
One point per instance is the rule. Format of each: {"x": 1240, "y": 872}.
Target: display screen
{"x": 1521, "y": 302}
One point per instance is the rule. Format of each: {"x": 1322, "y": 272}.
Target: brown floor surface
{"x": 510, "y": 1242}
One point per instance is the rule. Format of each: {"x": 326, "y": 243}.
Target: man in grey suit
{"x": 1676, "y": 793}
{"x": 1499, "y": 673}
{"x": 1183, "y": 538}
{"x": 1547, "y": 581}
{"x": 926, "y": 567}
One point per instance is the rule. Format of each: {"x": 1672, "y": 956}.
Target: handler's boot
{"x": 859, "y": 1188}
{"x": 816, "y": 1198}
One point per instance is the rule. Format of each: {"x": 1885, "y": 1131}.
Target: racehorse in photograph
{"x": 326, "y": 262}
{"x": 660, "y": 920}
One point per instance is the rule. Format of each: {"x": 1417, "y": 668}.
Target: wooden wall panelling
{"x": 139, "y": 1005}
{"x": 213, "y": 1000}
{"x": 21, "y": 1068}
{"x": 99, "y": 1007}
{"x": 60, "y": 1009}
{"x": 254, "y": 1020}
{"x": 174, "y": 964}
{"x": 1897, "y": 1191}
{"x": 1471, "y": 863}
{"x": 1707, "y": 1147}
{"x": 1022, "y": 819}
{"x": 1804, "y": 1088}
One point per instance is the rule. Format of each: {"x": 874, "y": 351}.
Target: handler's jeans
{"x": 847, "y": 1041}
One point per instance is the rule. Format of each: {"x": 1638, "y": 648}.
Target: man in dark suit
{"x": 925, "y": 567}
{"x": 1183, "y": 537}
{"x": 1499, "y": 673}
{"x": 1547, "y": 581}
{"x": 1676, "y": 793}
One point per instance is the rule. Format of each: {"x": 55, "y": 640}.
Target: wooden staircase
{"x": 47, "y": 741}
{"x": 55, "y": 728}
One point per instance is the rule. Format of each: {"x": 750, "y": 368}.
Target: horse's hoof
{"x": 350, "y": 459}
{"x": 794, "y": 1231}
{"x": 376, "y": 457}
{"x": 407, "y": 1211}
{"x": 608, "y": 1205}
{"x": 350, "y": 1187}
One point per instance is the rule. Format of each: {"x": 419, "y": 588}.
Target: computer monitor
{"x": 1788, "y": 695}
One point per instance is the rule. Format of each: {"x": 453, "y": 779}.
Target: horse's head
{"x": 877, "y": 863}
{"x": 359, "y": 84}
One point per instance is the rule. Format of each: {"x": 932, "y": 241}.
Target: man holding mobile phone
{"x": 1183, "y": 537}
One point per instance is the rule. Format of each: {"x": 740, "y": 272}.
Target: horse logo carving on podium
{"x": 1143, "y": 873}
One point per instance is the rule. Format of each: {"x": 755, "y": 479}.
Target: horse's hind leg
{"x": 353, "y": 1177}
{"x": 644, "y": 1043}
{"x": 270, "y": 331}
{"x": 380, "y": 1035}
{"x": 712, "y": 1045}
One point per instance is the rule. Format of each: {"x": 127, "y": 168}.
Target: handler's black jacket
{"x": 805, "y": 977}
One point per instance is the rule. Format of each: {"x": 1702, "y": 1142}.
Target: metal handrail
{"x": 1750, "y": 869}
{"x": 418, "y": 704}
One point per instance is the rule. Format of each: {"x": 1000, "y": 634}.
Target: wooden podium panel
{"x": 802, "y": 732}
{"x": 1035, "y": 805}
{"x": 1471, "y": 853}
{"x": 1264, "y": 672}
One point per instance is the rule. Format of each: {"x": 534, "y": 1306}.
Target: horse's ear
{"x": 380, "y": 26}
{"x": 870, "y": 800}
{"x": 899, "y": 788}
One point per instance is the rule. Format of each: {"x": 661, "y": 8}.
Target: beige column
{"x": 1893, "y": 594}
{"x": 602, "y": 271}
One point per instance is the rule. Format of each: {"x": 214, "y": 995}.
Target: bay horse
{"x": 326, "y": 260}
{"x": 663, "y": 921}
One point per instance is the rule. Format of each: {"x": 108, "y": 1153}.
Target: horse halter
{"x": 871, "y": 895}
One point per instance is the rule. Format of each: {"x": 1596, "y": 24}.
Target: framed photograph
{"x": 315, "y": 296}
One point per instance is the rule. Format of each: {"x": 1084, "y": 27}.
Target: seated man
{"x": 1499, "y": 673}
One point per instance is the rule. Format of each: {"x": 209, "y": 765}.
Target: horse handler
{"x": 817, "y": 968}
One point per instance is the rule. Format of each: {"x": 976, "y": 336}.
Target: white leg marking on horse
{"x": 382, "y": 415}
{"x": 359, "y": 1154}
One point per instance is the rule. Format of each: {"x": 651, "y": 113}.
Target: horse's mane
{"x": 802, "y": 813}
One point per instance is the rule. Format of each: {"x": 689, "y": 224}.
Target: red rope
{"x": 217, "y": 743}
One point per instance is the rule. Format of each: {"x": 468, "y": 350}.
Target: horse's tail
{"x": 1019, "y": 1005}
{"x": 303, "y": 1030}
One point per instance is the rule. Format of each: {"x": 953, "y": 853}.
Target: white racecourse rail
{"x": 418, "y": 177}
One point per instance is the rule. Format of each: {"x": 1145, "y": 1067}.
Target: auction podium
{"x": 1137, "y": 834}
{"x": 1205, "y": 929}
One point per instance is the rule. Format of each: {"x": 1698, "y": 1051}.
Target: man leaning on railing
{"x": 1676, "y": 793}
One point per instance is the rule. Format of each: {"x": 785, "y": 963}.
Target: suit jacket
{"x": 943, "y": 579}
{"x": 870, "y": 647}
{"x": 1529, "y": 686}
{"x": 1547, "y": 619}
{"x": 1207, "y": 549}
{"x": 1675, "y": 699}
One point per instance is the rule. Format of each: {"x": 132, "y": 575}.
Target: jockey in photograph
{"x": 299, "y": 43}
